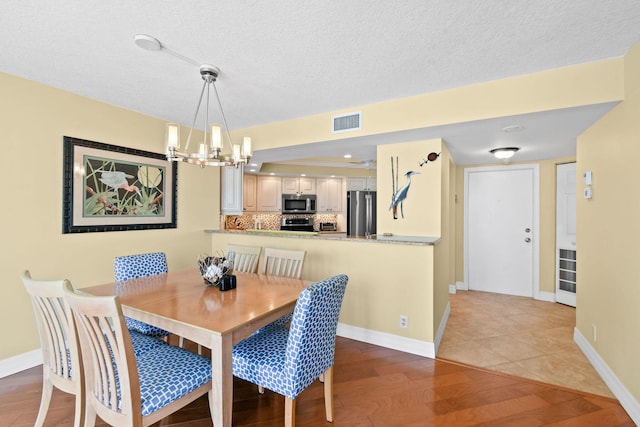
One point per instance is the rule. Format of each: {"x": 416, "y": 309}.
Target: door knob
{"x": 527, "y": 230}
{"x": 527, "y": 240}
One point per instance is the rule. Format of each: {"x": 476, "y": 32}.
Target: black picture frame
{"x": 112, "y": 188}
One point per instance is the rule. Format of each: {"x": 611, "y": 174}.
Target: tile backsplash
{"x": 269, "y": 221}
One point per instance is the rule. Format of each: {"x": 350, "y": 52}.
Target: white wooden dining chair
{"x": 282, "y": 262}
{"x": 61, "y": 365}
{"x": 125, "y": 389}
{"x": 245, "y": 258}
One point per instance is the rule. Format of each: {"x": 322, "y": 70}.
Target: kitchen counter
{"x": 332, "y": 235}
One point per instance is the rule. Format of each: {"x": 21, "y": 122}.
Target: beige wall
{"x": 385, "y": 280}
{"x": 578, "y": 85}
{"x": 547, "y": 221}
{"x": 422, "y": 205}
{"x": 34, "y": 118}
{"x": 608, "y": 229}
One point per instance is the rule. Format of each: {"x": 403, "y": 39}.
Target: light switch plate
{"x": 587, "y": 193}
{"x": 588, "y": 178}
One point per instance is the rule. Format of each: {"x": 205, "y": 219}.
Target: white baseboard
{"x": 626, "y": 399}
{"x": 452, "y": 289}
{"x": 394, "y": 342}
{"x": 462, "y": 286}
{"x": 441, "y": 328}
{"x": 545, "y": 296}
{"x": 20, "y": 362}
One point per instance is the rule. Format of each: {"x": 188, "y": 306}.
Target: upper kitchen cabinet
{"x": 329, "y": 195}
{"x": 269, "y": 194}
{"x": 298, "y": 185}
{"x": 231, "y": 190}
{"x": 361, "y": 183}
{"x": 249, "y": 193}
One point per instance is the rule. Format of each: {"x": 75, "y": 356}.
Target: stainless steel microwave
{"x": 298, "y": 204}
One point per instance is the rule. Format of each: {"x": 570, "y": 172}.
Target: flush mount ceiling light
{"x": 504, "y": 152}
{"x": 512, "y": 128}
{"x": 209, "y": 152}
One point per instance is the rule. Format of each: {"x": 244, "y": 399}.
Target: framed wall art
{"x": 112, "y": 188}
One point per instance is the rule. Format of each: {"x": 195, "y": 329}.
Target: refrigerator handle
{"x": 368, "y": 214}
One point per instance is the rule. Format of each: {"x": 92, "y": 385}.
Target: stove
{"x": 297, "y": 224}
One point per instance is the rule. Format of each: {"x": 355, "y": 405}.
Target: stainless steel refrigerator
{"x": 361, "y": 213}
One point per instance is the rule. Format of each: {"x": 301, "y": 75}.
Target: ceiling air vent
{"x": 347, "y": 122}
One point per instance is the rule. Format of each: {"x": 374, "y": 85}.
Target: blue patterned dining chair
{"x": 288, "y": 360}
{"x": 136, "y": 266}
{"x": 124, "y": 388}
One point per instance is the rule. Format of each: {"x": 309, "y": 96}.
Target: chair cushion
{"x": 169, "y": 373}
{"x": 260, "y": 358}
{"x": 145, "y": 328}
{"x": 143, "y": 344}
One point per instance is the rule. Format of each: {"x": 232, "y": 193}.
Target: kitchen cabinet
{"x": 361, "y": 184}
{"x": 249, "y": 193}
{"x": 231, "y": 190}
{"x": 269, "y": 194}
{"x": 298, "y": 185}
{"x": 329, "y": 195}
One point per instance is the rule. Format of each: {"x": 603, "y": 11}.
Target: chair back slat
{"x": 105, "y": 341}
{"x": 245, "y": 258}
{"x": 285, "y": 263}
{"x": 53, "y": 318}
{"x": 61, "y": 363}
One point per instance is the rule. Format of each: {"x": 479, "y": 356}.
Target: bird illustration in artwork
{"x": 116, "y": 179}
{"x": 400, "y": 195}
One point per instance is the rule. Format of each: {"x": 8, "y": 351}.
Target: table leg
{"x": 221, "y": 399}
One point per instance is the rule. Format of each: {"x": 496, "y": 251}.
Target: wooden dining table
{"x": 180, "y": 302}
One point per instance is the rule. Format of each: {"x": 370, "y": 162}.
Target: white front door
{"x": 501, "y": 229}
{"x": 566, "y": 234}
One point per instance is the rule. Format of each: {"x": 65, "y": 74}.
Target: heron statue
{"x": 400, "y": 195}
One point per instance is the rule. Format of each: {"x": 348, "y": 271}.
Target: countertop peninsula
{"x": 385, "y": 239}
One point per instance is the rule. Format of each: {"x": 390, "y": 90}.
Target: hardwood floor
{"x": 373, "y": 386}
{"x": 519, "y": 336}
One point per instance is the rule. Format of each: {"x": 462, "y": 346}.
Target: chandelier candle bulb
{"x": 246, "y": 146}
{"x": 173, "y": 135}
{"x": 236, "y": 152}
{"x": 203, "y": 150}
{"x": 216, "y": 137}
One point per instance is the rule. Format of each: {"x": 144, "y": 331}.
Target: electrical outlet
{"x": 404, "y": 321}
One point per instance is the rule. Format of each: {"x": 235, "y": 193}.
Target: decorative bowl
{"x": 214, "y": 268}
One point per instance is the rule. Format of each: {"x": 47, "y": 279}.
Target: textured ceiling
{"x": 285, "y": 59}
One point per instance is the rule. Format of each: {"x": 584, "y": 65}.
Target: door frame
{"x": 535, "y": 235}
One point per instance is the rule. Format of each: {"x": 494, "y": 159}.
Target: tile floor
{"x": 518, "y": 336}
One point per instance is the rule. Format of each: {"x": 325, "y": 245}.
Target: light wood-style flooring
{"x": 373, "y": 386}
{"x": 518, "y": 336}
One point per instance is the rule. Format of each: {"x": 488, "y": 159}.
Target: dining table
{"x": 182, "y": 303}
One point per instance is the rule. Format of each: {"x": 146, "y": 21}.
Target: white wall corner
{"x": 545, "y": 296}
{"x": 20, "y": 362}
{"x": 442, "y": 327}
{"x": 626, "y": 399}
{"x": 452, "y": 289}
{"x": 394, "y": 342}
{"x": 462, "y": 286}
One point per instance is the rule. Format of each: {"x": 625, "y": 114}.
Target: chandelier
{"x": 209, "y": 152}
